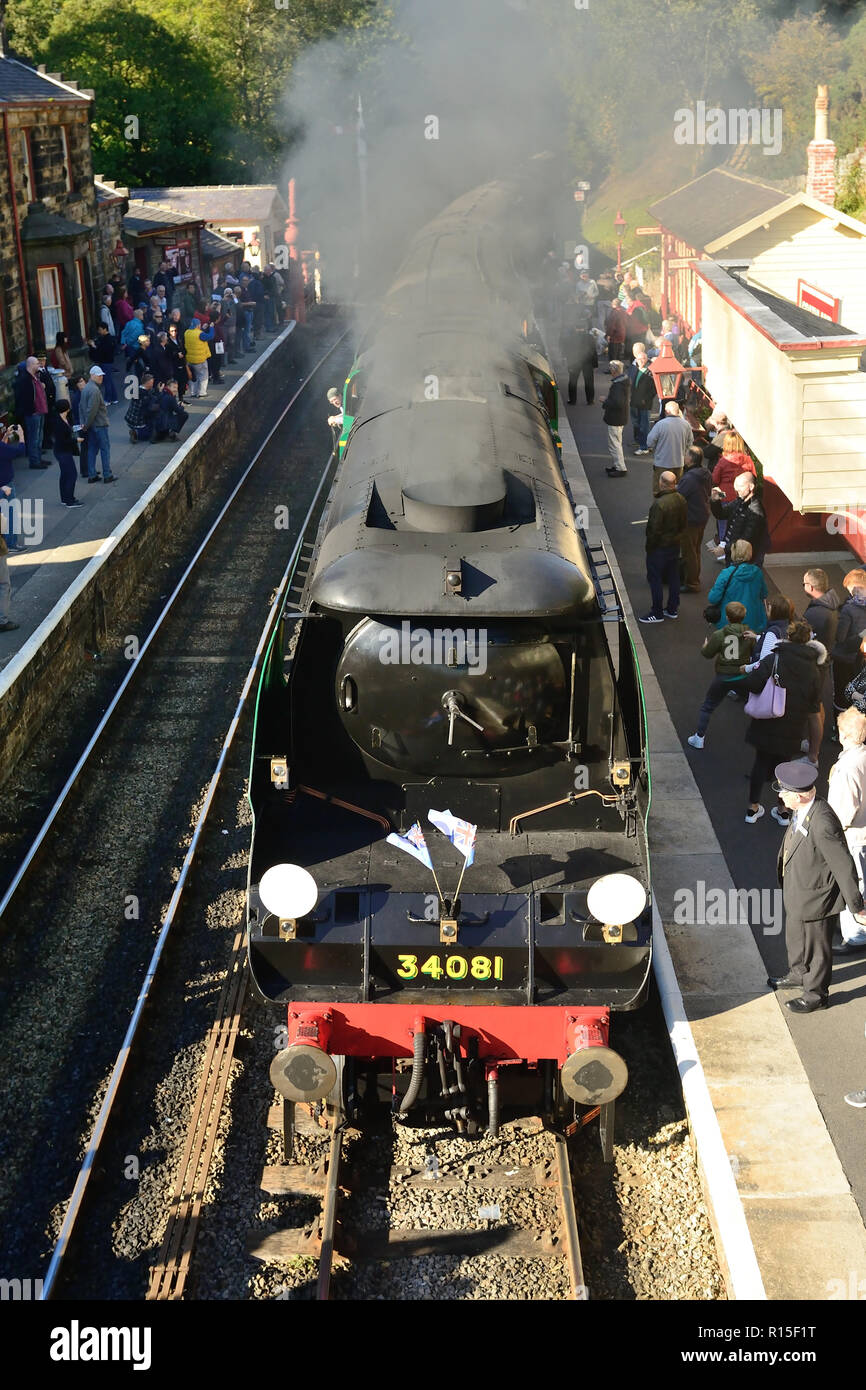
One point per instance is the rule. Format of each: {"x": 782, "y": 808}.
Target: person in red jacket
{"x": 733, "y": 461}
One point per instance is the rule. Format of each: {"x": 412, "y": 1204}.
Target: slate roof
{"x": 109, "y": 193}
{"x": 803, "y": 320}
{"x": 21, "y": 83}
{"x": 218, "y": 202}
{"x": 778, "y": 319}
{"x": 717, "y": 202}
{"x": 213, "y": 245}
{"x": 41, "y": 225}
{"x": 145, "y": 219}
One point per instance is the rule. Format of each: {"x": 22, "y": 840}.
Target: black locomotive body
{"x": 450, "y": 651}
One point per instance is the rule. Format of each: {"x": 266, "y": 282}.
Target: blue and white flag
{"x": 460, "y": 832}
{"x": 413, "y": 843}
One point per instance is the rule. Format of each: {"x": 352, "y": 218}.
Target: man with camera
{"x": 12, "y": 446}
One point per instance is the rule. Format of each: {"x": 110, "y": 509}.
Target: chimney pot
{"x": 821, "y": 172}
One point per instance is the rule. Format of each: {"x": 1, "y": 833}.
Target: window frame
{"x": 67, "y": 158}
{"x": 59, "y": 306}
{"x": 81, "y": 297}
{"x": 29, "y": 171}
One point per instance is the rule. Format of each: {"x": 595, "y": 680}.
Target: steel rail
{"x": 135, "y": 666}
{"x": 107, "y": 1105}
{"x": 169, "y": 1273}
{"x": 568, "y": 1212}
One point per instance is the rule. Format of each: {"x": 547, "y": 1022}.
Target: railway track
{"x": 492, "y": 1181}
{"x": 84, "y": 915}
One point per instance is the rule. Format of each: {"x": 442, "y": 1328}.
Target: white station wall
{"x": 803, "y": 414}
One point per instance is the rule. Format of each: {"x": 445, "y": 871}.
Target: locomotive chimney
{"x": 821, "y": 174}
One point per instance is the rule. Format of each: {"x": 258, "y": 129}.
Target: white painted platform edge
{"x": 55, "y": 616}
{"x": 731, "y": 1226}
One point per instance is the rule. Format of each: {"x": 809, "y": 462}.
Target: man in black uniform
{"x": 818, "y": 879}
{"x": 577, "y": 346}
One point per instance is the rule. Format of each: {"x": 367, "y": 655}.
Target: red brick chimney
{"x": 821, "y": 174}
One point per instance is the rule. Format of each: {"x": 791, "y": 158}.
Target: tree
{"x": 804, "y": 52}
{"x": 159, "y": 112}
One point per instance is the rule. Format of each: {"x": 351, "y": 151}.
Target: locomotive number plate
{"x": 452, "y": 966}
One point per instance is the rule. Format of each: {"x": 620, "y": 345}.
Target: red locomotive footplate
{"x": 528, "y": 1034}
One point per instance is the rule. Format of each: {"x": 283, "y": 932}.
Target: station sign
{"x": 818, "y": 302}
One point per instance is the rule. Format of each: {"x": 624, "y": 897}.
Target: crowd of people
{"x": 798, "y": 666}
{"x": 157, "y": 341}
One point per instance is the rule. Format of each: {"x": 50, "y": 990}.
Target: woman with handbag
{"x": 740, "y": 582}
{"x": 788, "y": 683}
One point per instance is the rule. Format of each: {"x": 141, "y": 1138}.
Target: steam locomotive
{"x": 457, "y": 646}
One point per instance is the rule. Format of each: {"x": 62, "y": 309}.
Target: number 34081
{"x": 454, "y": 968}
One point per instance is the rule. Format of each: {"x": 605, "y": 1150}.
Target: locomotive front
{"x": 449, "y": 875}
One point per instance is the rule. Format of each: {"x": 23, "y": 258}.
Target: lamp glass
{"x": 616, "y": 899}
{"x": 288, "y": 891}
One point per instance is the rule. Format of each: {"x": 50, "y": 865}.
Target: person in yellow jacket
{"x": 196, "y": 340}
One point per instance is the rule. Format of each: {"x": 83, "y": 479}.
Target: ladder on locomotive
{"x": 603, "y": 581}
{"x": 292, "y": 606}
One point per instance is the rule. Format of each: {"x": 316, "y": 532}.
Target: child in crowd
{"x": 730, "y": 646}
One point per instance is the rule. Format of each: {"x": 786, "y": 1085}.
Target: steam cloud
{"x": 482, "y": 71}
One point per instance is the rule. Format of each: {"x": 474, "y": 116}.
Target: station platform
{"x": 787, "y": 1182}
{"x": 60, "y": 541}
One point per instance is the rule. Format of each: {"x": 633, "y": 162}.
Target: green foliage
{"x": 205, "y": 78}
{"x": 27, "y": 26}
{"x": 211, "y": 81}
{"x": 851, "y": 197}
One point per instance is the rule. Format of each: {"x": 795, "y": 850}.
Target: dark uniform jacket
{"x": 815, "y": 869}
{"x": 578, "y": 348}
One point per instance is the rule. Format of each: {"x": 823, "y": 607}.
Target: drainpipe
{"x": 21, "y": 271}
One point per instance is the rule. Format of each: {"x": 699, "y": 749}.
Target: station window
{"x": 80, "y": 299}
{"x": 50, "y": 302}
{"x": 27, "y": 164}
{"x": 67, "y": 159}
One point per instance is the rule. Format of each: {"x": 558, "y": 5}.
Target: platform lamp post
{"x": 620, "y": 224}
